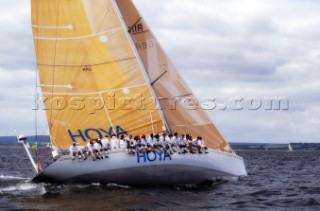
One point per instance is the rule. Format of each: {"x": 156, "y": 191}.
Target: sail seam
{"x": 76, "y": 38}
{"x": 179, "y": 96}
{"x": 94, "y": 93}
{"x": 92, "y": 65}
{"x": 70, "y": 26}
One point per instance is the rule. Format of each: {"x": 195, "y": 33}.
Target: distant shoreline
{"x": 235, "y": 146}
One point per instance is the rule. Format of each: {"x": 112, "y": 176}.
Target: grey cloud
{"x": 16, "y": 38}
{"x": 224, "y": 48}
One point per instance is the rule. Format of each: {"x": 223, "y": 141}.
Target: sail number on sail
{"x": 138, "y": 28}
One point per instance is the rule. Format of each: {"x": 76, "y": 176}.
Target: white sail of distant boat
{"x": 290, "y": 148}
{"x": 103, "y": 72}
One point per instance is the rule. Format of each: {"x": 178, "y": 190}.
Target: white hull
{"x": 146, "y": 169}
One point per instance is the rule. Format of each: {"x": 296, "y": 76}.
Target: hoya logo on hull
{"x": 94, "y": 133}
{"x": 152, "y": 157}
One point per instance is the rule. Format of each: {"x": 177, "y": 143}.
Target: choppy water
{"x": 277, "y": 180}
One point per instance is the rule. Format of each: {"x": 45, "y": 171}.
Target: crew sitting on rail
{"x": 160, "y": 143}
{"x": 176, "y": 143}
{"x": 168, "y": 144}
{"x": 140, "y": 145}
{"x": 75, "y": 150}
{"x": 123, "y": 144}
{"x": 157, "y": 144}
{"x": 114, "y": 142}
{"x": 92, "y": 150}
{"x": 106, "y": 146}
{"x": 131, "y": 145}
{"x": 99, "y": 149}
{"x": 183, "y": 144}
{"x": 202, "y": 146}
{"x": 190, "y": 144}
{"x": 127, "y": 140}
{"x": 145, "y": 143}
{"x": 148, "y": 141}
{"x": 83, "y": 150}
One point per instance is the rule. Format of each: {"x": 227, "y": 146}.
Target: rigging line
{"x": 158, "y": 78}
{"x": 36, "y": 106}
{"x": 36, "y": 81}
{"x": 91, "y": 65}
{"x": 131, "y": 27}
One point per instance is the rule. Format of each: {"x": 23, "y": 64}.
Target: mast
{"x": 144, "y": 70}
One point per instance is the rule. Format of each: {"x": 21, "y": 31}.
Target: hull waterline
{"x": 145, "y": 169}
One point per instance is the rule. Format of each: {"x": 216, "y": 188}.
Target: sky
{"x": 232, "y": 50}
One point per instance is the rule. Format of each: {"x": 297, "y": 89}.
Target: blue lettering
{"x": 160, "y": 155}
{"x": 155, "y": 157}
{"x": 73, "y": 137}
{"x": 86, "y": 132}
{"x": 109, "y": 133}
{"x": 121, "y": 131}
{"x": 141, "y": 156}
{"x": 166, "y": 155}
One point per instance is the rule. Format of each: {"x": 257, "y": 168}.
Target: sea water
{"x": 277, "y": 180}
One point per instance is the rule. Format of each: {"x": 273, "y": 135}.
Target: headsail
{"x": 90, "y": 76}
{"x": 168, "y": 84}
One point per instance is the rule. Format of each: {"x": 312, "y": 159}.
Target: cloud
{"x": 247, "y": 49}
{"x": 17, "y": 51}
{"x": 225, "y": 49}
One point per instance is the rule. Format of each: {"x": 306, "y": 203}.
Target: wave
{"x": 5, "y": 177}
{"x": 21, "y": 187}
{"x": 113, "y": 185}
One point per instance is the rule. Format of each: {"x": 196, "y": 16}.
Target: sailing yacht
{"x": 290, "y": 148}
{"x": 103, "y": 72}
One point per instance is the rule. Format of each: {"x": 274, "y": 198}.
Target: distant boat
{"x": 290, "y": 148}
{"x": 90, "y": 53}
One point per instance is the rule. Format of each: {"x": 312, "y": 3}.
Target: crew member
{"x": 75, "y": 150}
{"x": 106, "y": 146}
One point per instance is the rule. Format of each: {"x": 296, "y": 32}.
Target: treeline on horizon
{"x": 4, "y": 140}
